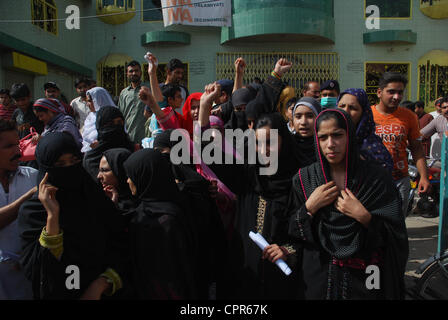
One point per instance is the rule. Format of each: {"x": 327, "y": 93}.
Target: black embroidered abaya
{"x": 336, "y": 248}
{"x": 262, "y": 207}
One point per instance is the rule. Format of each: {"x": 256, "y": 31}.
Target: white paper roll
{"x": 262, "y": 243}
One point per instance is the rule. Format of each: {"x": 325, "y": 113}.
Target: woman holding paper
{"x": 346, "y": 215}
{"x": 261, "y": 208}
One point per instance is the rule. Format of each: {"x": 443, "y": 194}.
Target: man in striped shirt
{"x": 7, "y": 106}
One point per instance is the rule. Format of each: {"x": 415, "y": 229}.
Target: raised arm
{"x": 240, "y": 66}
{"x": 152, "y": 72}
{"x": 268, "y": 96}
{"x": 147, "y": 98}
{"x": 211, "y": 91}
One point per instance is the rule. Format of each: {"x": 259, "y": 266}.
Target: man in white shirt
{"x": 79, "y": 104}
{"x": 436, "y": 143}
{"x": 17, "y": 185}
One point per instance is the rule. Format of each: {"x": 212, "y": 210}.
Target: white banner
{"x": 217, "y": 13}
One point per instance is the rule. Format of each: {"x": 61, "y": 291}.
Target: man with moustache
{"x": 130, "y": 104}
{"x": 311, "y": 89}
{"x": 18, "y": 184}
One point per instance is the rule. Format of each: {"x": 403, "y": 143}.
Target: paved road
{"x": 422, "y": 234}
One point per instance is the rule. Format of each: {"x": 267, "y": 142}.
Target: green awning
{"x": 165, "y": 37}
{"x": 385, "y": 36}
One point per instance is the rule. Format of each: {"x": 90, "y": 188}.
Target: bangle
{"x": 276, "y": 75}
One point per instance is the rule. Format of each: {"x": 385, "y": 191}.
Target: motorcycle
{"x": 428, "y": 204}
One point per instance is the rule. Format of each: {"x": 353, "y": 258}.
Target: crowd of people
{"x": 103, "y": 211}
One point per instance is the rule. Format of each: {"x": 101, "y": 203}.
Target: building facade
{"x": 325, "y": 39}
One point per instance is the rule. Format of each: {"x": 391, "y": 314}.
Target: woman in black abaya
{"x": 346, "y": 216}
{"x": 111, "y": 134}
{"x": 161, "y": 248}
{"x": 261, "y": 207}
{"x": 198, "y": 202}
{"x": 70, "y": 223}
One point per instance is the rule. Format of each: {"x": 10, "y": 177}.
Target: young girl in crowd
{"x": 346, "y": 216}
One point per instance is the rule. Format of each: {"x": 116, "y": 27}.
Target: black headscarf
{"x": 116, "y": 158}
{"x": 306, "y": 144}
{"x": 238, "y": 119}
{"x": 162, "y": 140}
{"x": 48, "y": 152}
{"x": 161, "y": 245}
{"x": 92, "y": 228}
{"x": 252, "y": 111}
{"x": 289, "y": 160}
{"x": 109, "y": 136}
{"x": 339, "y": 235}
{"x": 152, "y": 176}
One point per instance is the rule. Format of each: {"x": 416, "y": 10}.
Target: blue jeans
{"x": 404, "y": 187}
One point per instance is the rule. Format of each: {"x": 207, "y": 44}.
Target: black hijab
{"x": 289, "y": 160}
{"x": 152, "y": 176}
{"x": 306, "y": 144}
{"x": 116, "y": 158}
{"x": 163, "y": 266}
{"x": 109, "y": 136}
{"x": 48, "y": 152}
{"x": 87, "y": 218}
{"x": 339, "y": 235}
{"x": 252, "y": 111}
{"x": 162, "y": 140}
{"x": 238, "y": 119}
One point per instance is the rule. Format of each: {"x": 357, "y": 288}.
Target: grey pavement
{"x": 422, "y": 235}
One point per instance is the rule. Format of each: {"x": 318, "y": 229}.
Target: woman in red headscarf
{"x": 190, "y": 112}
{"x": 168, "y": 118}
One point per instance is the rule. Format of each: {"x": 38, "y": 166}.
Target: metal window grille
{"x": 113, "y": 79}
{"x": 433, "y": 82}
{"x": 44, "y": 10}
{"x": 318, "y": 67}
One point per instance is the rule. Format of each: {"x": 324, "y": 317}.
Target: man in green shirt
{"x": 131, "y": 106}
